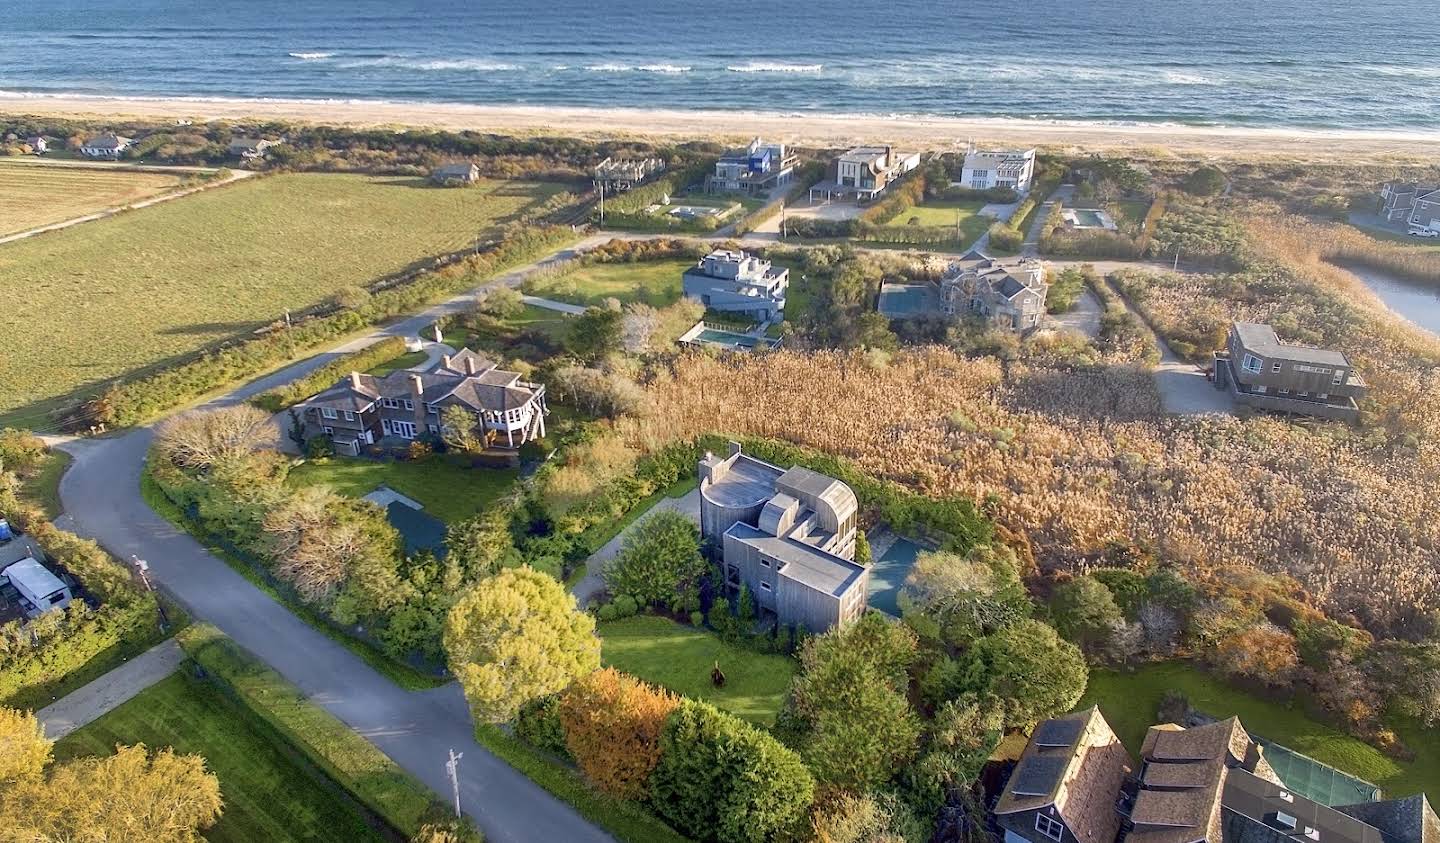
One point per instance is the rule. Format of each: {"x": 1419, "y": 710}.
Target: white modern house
{"x": 107, "y": 147}
{"x": 736, "y": 282}
{"x": 987, "y": 169}
{"x": 865, "y": 172}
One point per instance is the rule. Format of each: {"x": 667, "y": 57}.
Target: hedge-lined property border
{"x": 277, "y": 399}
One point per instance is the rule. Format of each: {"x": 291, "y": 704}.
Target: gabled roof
{"x": 459, "y": 169}
{"x": 490, "y": 389}
{"x": 1263, "y": 340}
{"x": 1183, "y": 779}
{"x": 1408, "y": 820}
{"x": 1076, "y": 764}
{"x": 107, "y": 141}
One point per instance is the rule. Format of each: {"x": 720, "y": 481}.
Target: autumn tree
{"x": 159, "y": 797}
{"x": 514, "y": 637}
{"x": 613, "y": 724}
{"x": 638, "y": 327}
{"x": 458, "y": 429}
{"x": 200, "y": 439}
{"x": 659, "y": 560}
{"x": 319, "y": 542}
{"x": 1263, "y": 651}
{"x": 24, "y": 749}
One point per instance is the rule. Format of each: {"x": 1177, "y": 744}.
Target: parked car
{"x": 1424, "y": 232}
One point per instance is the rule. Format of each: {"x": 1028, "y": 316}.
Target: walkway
{"x": 551, "y": 304}
{"x": 1084, "y": 317}
{"x": 86, "y": 704}
{"x": 1062, "y": 194}
{"x": 594, "y": 582}
{"x": 416, "y": 729}
{"x": 235, "y": 175}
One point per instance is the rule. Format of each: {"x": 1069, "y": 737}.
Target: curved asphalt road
{"x": 416, "y": 729}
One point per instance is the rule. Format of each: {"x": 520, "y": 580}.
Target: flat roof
{"x": 807, "y": 565}
{"x": 747, "y": 482}
{"x": 1262, "y": 339}
{"x": 1260, "y": 800}
{"x": 32, "y": 577}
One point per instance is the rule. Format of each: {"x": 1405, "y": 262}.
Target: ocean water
{"x": 1367, "y": 64}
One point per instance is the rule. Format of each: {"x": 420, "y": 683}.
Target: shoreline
{"x": 922, "y": 132}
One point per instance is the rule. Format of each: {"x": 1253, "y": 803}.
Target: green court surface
{"x": 1314, "y": 780}
{"x": 907, "y": 301}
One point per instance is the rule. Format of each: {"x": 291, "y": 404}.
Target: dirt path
{"x": 89, "y": 702}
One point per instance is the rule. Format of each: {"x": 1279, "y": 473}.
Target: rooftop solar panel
{"x": 1037, "y": 775}
{"x": 1058, "y": 732}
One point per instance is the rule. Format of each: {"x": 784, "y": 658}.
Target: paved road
{"x": 86, "y": 704}
{"x": 416, "y": 729}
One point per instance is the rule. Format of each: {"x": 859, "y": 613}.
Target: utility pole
{"x": 452, "y": 767}
{"x": 1176, "y": 267}
{"x": 782, "y": 219}
{"x": 602, "y": 204}
{"x": 141, "y": 567}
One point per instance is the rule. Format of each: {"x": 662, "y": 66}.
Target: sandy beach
{"x": 805, "y": 129}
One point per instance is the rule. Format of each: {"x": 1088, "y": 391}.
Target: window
{"x": 409, "y": 405}
{"x": 764, "y": 586}
{"x": 328, "y": 412}
{"x": 1251, "y": 364}
{"x": 1339, "y": 377}
{"x": 433, "y": 428}
{"x": 765, "y": 562}
{"x": 329, "y": 431}
{"x": 1053, "y": 829}
{"x": 1274, "y": 367}
{"x": 349, "y": 416}
{"x": 431, "y": 408}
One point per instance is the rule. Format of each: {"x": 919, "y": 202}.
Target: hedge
{"x": 130, "y": 403}
{"x": 277, "y": 399}
{"x": 376, "y": 781}
{"x": 45, "y": 650}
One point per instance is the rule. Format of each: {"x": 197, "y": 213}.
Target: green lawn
{"x": 939, "y": 212}
{"x": 681, "y": 657}
{"x": 404, "y": 361}
{"x": 655, "y": 283}
{"x": 1129, "y": 702}
{"x": 270, "y": 793}
{"x": 447, "y": 491}
{"x": 126, "y": 293}
{"x": 44, "y": 488}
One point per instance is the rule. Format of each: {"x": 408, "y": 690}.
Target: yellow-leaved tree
{"x": 613, "y": 724}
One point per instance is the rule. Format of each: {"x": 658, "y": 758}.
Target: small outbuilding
{"x": 456, "y": 175}
{"x": 38, "y": 588}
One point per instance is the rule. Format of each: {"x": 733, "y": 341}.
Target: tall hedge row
{"x": 277, "y": 399}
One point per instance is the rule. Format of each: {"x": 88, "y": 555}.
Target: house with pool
{"x": 733, "y": 281}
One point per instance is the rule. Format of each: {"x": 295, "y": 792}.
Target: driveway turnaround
{"x": 86, "y": 704}
{"x": 417, "y": 729}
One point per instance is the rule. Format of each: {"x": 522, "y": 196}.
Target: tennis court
{"x": 1314, "y": 780}
{"x": 907, "y": 301}
{"x": 419, "y": 530}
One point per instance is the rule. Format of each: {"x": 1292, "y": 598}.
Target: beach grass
{"x": 656, "y": 283}
{"x": 270, "y": 792}
{"x": 153, "y": 285}
{"x": 38, "y": 195}
{"x": 680, "y": 658}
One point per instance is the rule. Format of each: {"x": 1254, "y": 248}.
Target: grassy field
{"x": 938, "y": 213}
{"x": 141, "y": 288}
{"x": 270, "y": 794}
{"x": 1129, "y": 702}
{"x": 1128, "y": 213}
{"x": 656, "y": 283}
{"x": 37, "y": 195}
{"x": 681, "y": 657}
{"x": 447, "y": 491}
{"x": 404, "y": 361}
{"x": 44, "y": 488}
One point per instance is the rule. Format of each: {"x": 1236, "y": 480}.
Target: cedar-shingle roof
{"x": 1081, "y": 778}
{"x": 1183, "y": 779}
{"x": 489, "y": 389}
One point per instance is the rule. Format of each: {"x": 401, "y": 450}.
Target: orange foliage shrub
{"x": 1264, "y": 652}
{"x": 612, "y": 725}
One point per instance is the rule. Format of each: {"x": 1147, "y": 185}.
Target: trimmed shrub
{"x": 538, "y": 724}
{"x": 612, "y": 725}
{"x": 721, "y": 779}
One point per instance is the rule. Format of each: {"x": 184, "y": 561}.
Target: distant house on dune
{"x": 457, "y": 174}
{"x": 864, "y": 173}
{"x": 617, "y": 176}
{"x": 988, "y": 169}
{"x": 1398, "y": 201}
{"x": 106, "y": 147}
{"x": 249, "y": 149}
{"x": 38, "y": 144}
{"x": 755, "y": 168}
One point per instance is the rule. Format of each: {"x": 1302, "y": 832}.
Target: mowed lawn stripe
{"x": 114, "y": 296}
{"x": 36, "y": 195}
{"x": 270, "y": 794}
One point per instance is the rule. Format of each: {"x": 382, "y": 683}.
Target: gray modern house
{"x": 1207, "y": 784}
{"x": 402, "y": 406}
{"x": 1417, "y": 205}
{"x": 736, "y": 282}
{"x": 756, "y": 168}
{"x": 1260, "y": 370}
{"x": 788, "y": 535}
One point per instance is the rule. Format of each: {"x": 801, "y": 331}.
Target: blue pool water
{"x": 888, "y": 573}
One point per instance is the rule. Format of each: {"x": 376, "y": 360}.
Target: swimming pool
{"x": 888, "y": 573}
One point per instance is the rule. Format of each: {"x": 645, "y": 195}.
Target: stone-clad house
{"x": 1207, "y": 784}
{"x": 363, "y": 409}
{"x": 786, "y": 534}
{"x": 1007, "y": 296}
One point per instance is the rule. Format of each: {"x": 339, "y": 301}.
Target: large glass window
{"x": 1049, "y": 827}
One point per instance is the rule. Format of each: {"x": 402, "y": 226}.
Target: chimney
{"x": 470, "y": 368}
{"x": 354, "y": 380}
{"x": 417, "y": 386}
{"x": 445, "y": 360}
{"x": 734, "y": 448}
{"x": 439, "y": 337}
